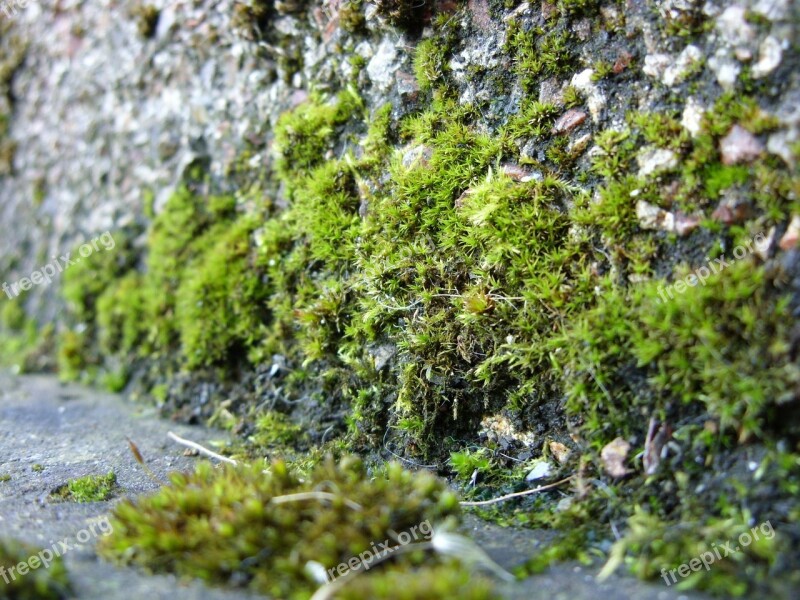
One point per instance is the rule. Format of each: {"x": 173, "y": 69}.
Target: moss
{"x": 465, "y": 464}
{"x": 50, "y": 583}
{"x": 430, "y": 62}
{"x": 211, "y": 523}
{"x": 656, "y": 549}
{"x": 37, "y": 468}
{"x": 274, "y": 428}
{"x": 20, "y": 338}
{"x": 414, "y": 290}
{"x": 122, "y": 314}
{"x": 351, "y": 16}
{"x": 424, "y": 583}
{"x": 574, "y": 8}
{"x": 73, "y": 350}
{"x": 303, "y": 136}
{"x": 219, "y": 301}
{"x": 538, "y": 53}
{"x": 535, "y": 119}
{"x": 92, "y": 488}
{"x": 146, "y": 17}
{"x": 404, "y": 14}
{"x": 88, "y": 277}
{"x": 5, "y": 477}
{"x": 739, "y": 367}
{"x": 176, "y": 239}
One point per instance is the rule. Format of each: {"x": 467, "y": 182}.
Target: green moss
{"x": 304, "y": 135}
{"x": 37, "y": 468}
{"x": 211, "y": 523}
{"x": 430, "y": 62}
{"x": 219, "y": 301}
{"x": 573, "y": 8}
{"x": 51, "y": 583}
{"x": 73, "y": 352}
{"x": 122, "y": 314}
{"x": 92, "y": 488}
{"x": 146, "y": 17}
{"x": 275, "y": 429}
{"x": 20, "y": 338}
{"x": 423, "y": 583}
{"x": 5, "y": 477}
{"x": 403, "y": 14}
{"x": 351, "y": 16}
{"x": 538, "y": 53}
{"x": 534, "y": 119}
{"x": 738, "y": 366}
{"x": 466, "y": 463}
{"x": 602, "y": 69}
{"x": 657, "y": 549}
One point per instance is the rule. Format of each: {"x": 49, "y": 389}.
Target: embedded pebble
{"x": 692, "y": 118}
{"x": 569, "y": 121}
{"x": 770, "y": 54}
{"x": 677, "y": 72}
{"x": 595, "y": 99}
{"x": 792, "y": 235}
{"x": 655, "y": 160}
{"x": 739, "y": 146}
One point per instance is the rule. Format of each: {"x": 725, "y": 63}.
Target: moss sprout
{"x": 92, "y": 488}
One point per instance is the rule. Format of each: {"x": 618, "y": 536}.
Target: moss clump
{"x": 92, "y": 488}
{"x": 305, "y": 135}
{"x": 21, "y": 341}
{"x": 539, "y": 53}
{"x": 274, "y": 428}
{"x": 122, "y": 315}
{"x": 219, "y": 303}
{"x": 146, "y": 17}
{"x": 740, "y": 366}
{"x": 37, "y": 583}
{"x": 657, "y": 549}
{"x": 404, "y": 14}
{"x": 351, "y": 16}
{"x": 430, "y": 63}
{"x": 211, "y": 524}
{"x": 422, "y": 583}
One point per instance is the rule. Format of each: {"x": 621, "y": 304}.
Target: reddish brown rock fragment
{"x": 624, "y": 59}
{"x": 739, "y": 146}
{"x": 569, "y": 121}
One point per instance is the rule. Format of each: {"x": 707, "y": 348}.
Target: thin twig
{"x": 314, "y": 496}
{"x": 200, "y": 449}
{"x": 541, "y": 488}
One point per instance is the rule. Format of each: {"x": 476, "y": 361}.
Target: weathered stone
{"x": 569, "y": 121}
{"x": 792, "y": 235}
{"x": 770, "y": 54}
{"x": 655, "y": 160}
{"x": 739, "y": 146}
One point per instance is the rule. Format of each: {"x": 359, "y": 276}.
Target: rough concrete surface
{"x": 72, "y": 431}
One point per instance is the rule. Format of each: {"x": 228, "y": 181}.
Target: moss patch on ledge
{"x": 40, "y": 583}
{"x": 278, "y": 534}
{"x": 91, "y": 488}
